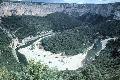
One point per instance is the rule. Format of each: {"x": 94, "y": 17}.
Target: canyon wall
{"x": 42, "y": 9}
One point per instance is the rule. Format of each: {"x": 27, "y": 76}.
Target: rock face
{"x": 42, "y": 9}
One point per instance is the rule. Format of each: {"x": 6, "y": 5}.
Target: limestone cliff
{"x": 42, "y": 9}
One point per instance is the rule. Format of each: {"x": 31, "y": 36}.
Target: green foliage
{"x": 71, "y": 36}
{"x": 106, "y": 64}
{"x": 71, "y": 42}
{"x": 72, "y": 75}
{"x": 91, "y": 18}
{"x": 4, "y": 40}
{"x": 38, "y": 71}
{"x": 76, "y": 37}
{"x": 24, "y": 26}
{"x": 6, "y": 57}
{"x": 33, "y": 71}
{"x": 61, "y": 21}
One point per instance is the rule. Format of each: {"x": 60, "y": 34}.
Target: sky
{"x": 75, "y": 1}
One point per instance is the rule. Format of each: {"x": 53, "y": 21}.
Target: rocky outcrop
{"x": 42, "y": 9}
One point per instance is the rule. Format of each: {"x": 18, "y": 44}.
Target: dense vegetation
{"x": 80, "y": 31}
{"x": 24, "y": 26}
{"x": 82, "y": 34}
{"x": 106, "y": 66}
{"x": 38, "y": 71}
{"x": 72, "y": 36}
{"x": 108, "y": 62}
{"x": 6, "y": 57}
{"x": 70, "y": 41}
{"x": 65, "y": 27}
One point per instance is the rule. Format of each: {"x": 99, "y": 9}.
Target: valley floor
{"x": 57, "y": 60}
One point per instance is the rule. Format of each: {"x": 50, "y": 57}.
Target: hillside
{"x": 42, "y": 9}
{"x": 66, "y": 41}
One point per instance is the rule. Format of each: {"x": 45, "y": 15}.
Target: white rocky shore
{"x": 37, "y": 53}
{"x": 104, "y": 42}
{"x": 53, "y": 60}
{"x": 34, "y": 52}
